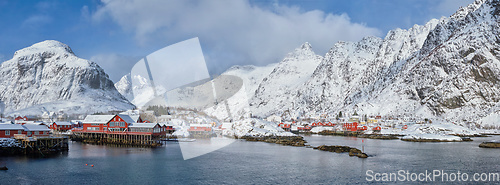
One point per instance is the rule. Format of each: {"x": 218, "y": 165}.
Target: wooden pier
{"x": 128, "y": 139}
{"x": 42, "y": 146}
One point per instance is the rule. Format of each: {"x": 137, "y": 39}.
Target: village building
{"x": 8, "y": 130}
{"x": 167, "y": 128}
{"x": 287, "y": 126}
{"x": 61, "y": 126}
{"x": 36, "y": 130}
{"x": 30, "y": 130}
{"x": 138, "y": 128}
{"x": 350, "y": 126}
{"x": 195, "y": 128}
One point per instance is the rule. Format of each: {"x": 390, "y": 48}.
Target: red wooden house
{"x": 304, "y": 128}
{"x": 30, "y": 130}
{"x": 167, "y": 128}
{"x": 362, "y": 128}
{"x": 285, "y": 126}
{"x": 145, "y": 128}
{"x": 106, "y": 123}
{"x": 8, "y": 130}
{"x": 25, "y": 118}
{"x": 61, "y": 126}
{"x": 200, "y": 128}
{"x": 36, "y": 130}
{"x": 350, "y": 126}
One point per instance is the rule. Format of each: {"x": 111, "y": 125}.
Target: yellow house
{"x": 372, "y": 120}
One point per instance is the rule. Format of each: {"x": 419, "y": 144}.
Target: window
{"x": 7, "y": 132}
{"x": 29, "y": 133}
{"x": 92, "y": 128}
{"x": 19, "y": 132}
{"x": 111, "y": 124}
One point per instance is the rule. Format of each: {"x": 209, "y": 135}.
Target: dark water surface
{"x": 245, "y": 162}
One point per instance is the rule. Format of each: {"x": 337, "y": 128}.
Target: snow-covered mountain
{"x": 447, "y": 69}
{"x": 278, "y": 88}
{"x": 124, "y": 87}
{"x": 48, "y": 76}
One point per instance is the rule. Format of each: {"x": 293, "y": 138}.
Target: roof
{"x": 30, "y": 127}
{"x": 166, "y": 124}
{"x": 143, "y": 125}
{"x": 102, "y": 119}
{"x": 11, "y": 127}
{"x": 200, "y": 125}
{"x": 63, "y": 123}
{"x": 127, "y": 118}
{"x": 134, "y": 117}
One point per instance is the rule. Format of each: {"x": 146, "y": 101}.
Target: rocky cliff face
{"x": 47, "y": 76}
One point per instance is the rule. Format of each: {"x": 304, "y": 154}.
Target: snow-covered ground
{"x": 256, "y": 128}
{"x": 8, "y": 142}
{"x": 319, "y": 129}
{"x": 435, "y": 131}
{"x": 439, "y": 137}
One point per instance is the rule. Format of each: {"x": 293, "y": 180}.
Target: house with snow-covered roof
{"x": 105, "y": 123}
{"x": 61, "y": 126}
{"x": 30, "y": 130}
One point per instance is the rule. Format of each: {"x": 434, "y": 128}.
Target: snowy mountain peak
{"x": 301, "y": 53}
{"x": 306, "y": 46}
{"x": 47, "y": 76}
{"x": 464, "y": 11}
{"x": 45, "y": 46}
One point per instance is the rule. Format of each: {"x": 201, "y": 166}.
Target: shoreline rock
{"x": 490, "y": 145}
{"x": 282, "y": 140}
{"x": 342, "y": 149}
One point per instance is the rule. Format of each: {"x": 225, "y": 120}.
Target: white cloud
{"x": 35, "y": 21}
{"x": 232, "y": 32}
{"x": 116, "y": 66}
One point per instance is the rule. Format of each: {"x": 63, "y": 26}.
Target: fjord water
{"x": 245, "y": 162}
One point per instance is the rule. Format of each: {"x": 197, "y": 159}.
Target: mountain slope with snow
{"x": 278, "y": 88}
{"x": 48, "y": 76}
{"x": 447, "y": 70}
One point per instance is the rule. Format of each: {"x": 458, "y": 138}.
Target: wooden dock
{"x": 127, "y": 139}
{"x": 42, "y": 146}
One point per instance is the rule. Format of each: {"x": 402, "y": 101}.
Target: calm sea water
{"x": 245, "y": 162}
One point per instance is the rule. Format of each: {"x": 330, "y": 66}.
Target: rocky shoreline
{"x": 282, "y": 140}
{"x": 299, "y": 141}
{"x": 490, "y": 145}
{"x": 342, "y": 149}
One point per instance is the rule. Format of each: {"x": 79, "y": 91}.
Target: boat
{"x": 3, "y": 168}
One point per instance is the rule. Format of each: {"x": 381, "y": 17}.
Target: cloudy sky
{"x": 117, "y": 33}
